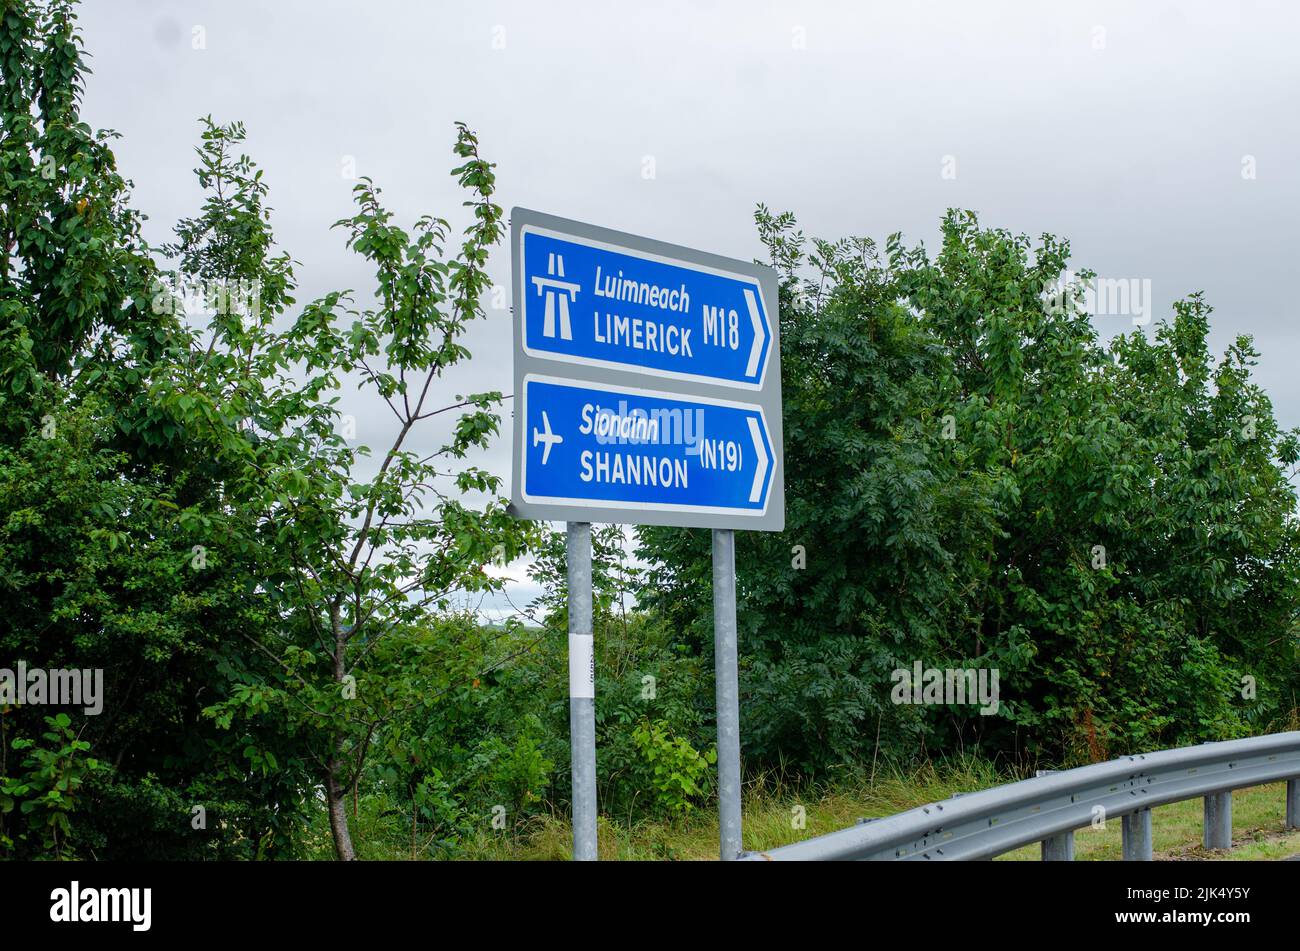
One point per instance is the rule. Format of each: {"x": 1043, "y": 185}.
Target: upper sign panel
{"x": 590, "y": 297}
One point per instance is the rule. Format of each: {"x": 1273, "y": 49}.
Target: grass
{"x": 772, "y": 810}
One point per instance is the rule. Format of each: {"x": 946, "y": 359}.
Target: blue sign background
{"x": 711, "y": 462}
{"x": 728, "y": 356}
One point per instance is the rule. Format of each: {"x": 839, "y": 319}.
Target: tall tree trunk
{"x": 336, "y": 795}
{"x": 336, "y": 787}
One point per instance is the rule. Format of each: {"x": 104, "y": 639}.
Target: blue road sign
{"x": 590, "y": 302}
{"x": 596, "y": 445}
{"x": 647, "y": 381}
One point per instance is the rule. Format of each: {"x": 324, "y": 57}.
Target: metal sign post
{"x": 647, "y": 392}
{"x": 582, "y": 692}
{"x": 727, "y": 691}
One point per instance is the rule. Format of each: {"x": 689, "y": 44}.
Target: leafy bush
{"x": 49, "y": 786}
{"x": 678, "y": 771}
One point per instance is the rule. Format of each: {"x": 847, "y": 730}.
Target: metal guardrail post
{"x": 1293, "y": 803}
{"x": 1136, "y": 831}
{"x": 1059, "y": 848}
{"x": 1218, "y": 821}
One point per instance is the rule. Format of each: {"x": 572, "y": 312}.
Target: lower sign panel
{"x": 603, "y": 453}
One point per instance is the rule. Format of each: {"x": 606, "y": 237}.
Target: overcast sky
{"x": 1160, "y": 138}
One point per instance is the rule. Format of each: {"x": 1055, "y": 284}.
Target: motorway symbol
{"x": 558, "y": 293}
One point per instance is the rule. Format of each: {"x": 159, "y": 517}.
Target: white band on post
{"x": 582, "y": 666}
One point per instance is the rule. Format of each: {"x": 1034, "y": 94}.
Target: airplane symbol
{"x": 548, "y": 439}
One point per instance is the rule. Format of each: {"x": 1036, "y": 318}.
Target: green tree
{"x": 974, "y": 480}
{"x": 350, "y": 554}
{"x": 104, "y": 493}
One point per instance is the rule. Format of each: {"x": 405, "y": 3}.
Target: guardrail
{"x": 1049, "y": 807}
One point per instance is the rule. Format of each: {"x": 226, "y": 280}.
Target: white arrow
{"x": 756, "y": 491}
{"x": 760, "y": 334}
